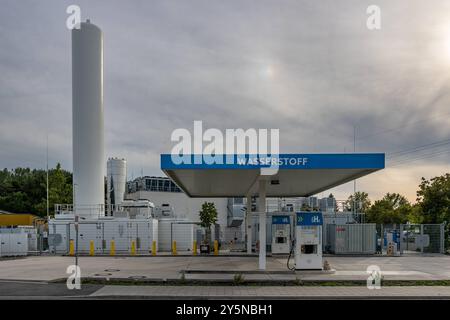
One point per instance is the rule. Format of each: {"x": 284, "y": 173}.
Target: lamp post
{"x": 76, "y": 218}
{"x": 354, "y": 181}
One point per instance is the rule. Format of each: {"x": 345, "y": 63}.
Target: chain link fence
{"x": 422, "y": 238}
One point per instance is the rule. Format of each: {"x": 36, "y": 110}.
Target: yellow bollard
{"x": 91, "y": 248}
{"x": 216, "y": 247}
{"x": 71, "y": 248}
{"x": 194, "y": 248}
{"x": 174, "y": 248}
{"x": 133, "y": 247}
{"x": 154, "y": 248}
{"x": 112, "y": 250}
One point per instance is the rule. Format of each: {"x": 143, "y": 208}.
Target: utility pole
{"x": 76, "y": 228}
{"x": 354, "y": 181}
{"x": 48, "y": 214}
{"x": 41, "y": 228}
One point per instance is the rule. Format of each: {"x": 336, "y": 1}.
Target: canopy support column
{"x": 262, "y": 224}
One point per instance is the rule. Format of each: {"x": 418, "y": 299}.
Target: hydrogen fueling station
{"x": 297, "y": 175}
{"x": 200, "y": 153}
{"x": 132, "y": 226}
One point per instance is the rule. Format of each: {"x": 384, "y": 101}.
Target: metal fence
{"x": 411, "y": 238}
{"x": 422, "y": 238}
{"x": 344, "y": 234}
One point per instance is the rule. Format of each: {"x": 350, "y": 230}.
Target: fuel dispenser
{"x": 308, "y": 241}
{"x": 281, "y": 234}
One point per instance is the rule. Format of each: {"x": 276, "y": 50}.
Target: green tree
{"x": 20, "y": 190}
{"x": 360, "y": 200}
{"x": 59, "y": 190}
{"x": 433, "y": 201}
{"x": 433, "y": 198}
{"x": 393, "y": 208}
{"x": 23, "y": 190}
{"x": 208, "y": 217}
{"x": 415, "y": 216}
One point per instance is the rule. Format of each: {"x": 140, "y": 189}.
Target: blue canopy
{"x": 297, "y": 175}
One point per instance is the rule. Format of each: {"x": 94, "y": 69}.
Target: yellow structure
{"x": 112, "y": 250}
{"x": 216, "y": 247}
{"x": 19, "y": 219}
{"x": 154, "y": 248}
{"x": 194, "y": 248}
{"x": 133, "y": 247}
{"x": 91, "y": 248}
{"x": 174, "y": 247}
{"x": 71, "y": 248}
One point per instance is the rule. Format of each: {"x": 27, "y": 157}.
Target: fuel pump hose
{"x": 290, "y": 255}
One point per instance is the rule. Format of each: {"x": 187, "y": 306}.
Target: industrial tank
{"x": 87, "y": 120}
{"x": 116, "y": 173}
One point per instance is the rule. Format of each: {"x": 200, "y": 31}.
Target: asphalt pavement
{"x": 43, "y": 290}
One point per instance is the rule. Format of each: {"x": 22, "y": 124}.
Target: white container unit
{"x": 339, "y": 218}
{"x": 13, "y": 244}
{"x": 102, "y": 232}
{"x": 58, "y": 236}
{"x": 123, "y": 232}
{"x": 117, "y": 230}
{"x": 30, "y": 231}
{"x": 352, "y": 238}
{"x": 32, "y": 237}
{"x": 182, "y": 231}
{"x": 87, "y": 231}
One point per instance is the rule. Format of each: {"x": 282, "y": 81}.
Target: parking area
{"x": 49, "y": 268}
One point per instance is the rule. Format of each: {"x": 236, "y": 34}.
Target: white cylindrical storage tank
{"x": 116, "y": 173}
{"x": 87, "y": 120}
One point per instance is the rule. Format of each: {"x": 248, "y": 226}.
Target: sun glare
{"x": 267, "y": 72}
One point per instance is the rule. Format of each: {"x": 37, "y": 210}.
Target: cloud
{"x": 168, "y": 63}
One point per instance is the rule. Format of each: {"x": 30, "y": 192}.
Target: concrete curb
{"x": 291, "y": 272}
{"x": 243, "y": 283}
{"x": 26, "y": 281}
{"x": 178, "y": 255}
{"x": 225, "y": 297}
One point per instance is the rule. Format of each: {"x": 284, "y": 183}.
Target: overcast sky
{"x": 310, "y": 68}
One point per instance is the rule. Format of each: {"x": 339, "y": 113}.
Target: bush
{"x": 238, "y": 279}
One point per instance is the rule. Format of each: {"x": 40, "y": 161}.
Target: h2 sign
{"x": 281, "y": 220}
{"x": 309, "y": 218}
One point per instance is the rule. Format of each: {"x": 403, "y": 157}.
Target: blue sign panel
{"x": 309, "y": 218}
{"x": 281, "y": 220}
{"x": 283, "y": 161}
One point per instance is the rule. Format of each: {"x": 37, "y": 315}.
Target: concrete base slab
{"x": 48, "y": 268}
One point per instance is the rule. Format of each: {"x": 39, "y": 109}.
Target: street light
{"x": 76, "y": 217}
{"x": 354, "y": 181}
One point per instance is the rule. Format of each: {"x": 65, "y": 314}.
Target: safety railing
{"x": 99, "y": 210}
